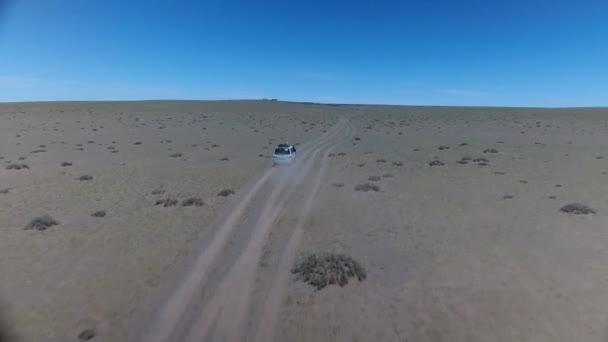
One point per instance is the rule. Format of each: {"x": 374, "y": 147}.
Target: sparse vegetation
{"x": 193, "y": 202}
{"x": 86, "y": 335}
{"x": 41, "y": 223}
{"x": 577, "y": 209}
{"x": 5, "y": 191}
{"x": 367, "y": 187}
{"x": 99, "y": 213}
{"x": 226, "y": 193}
{"x": 17, "y": 166}
{"x": 167, "y": 202}
{"x": 328, "y": 269}
{"x": 158, "y": 192}
{"x": 85, "y": 178}
{"x": 436, "y": 163}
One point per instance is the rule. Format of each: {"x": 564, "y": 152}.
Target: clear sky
{"x": 509, "y": 52}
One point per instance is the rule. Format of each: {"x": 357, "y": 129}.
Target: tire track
{"x": 164, "y": 322}
{"x": 233, "y": 298}
{"x": 268, "y": 320}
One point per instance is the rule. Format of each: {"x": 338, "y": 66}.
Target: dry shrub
{"x": 367, "y": 187}
{"x": 99, "y": 213}
{"x": 577, "y": 209}
{"x": 226, "y": 192}
{"x": 17, "y": 166}
{"x": 167, "y": 202}
{"x": 41, "y": 223}
{"x": 328, "y": 269}
{"x": 193, "y": 202}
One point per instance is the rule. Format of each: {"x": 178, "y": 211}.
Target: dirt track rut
{"x": 210, "y": 298}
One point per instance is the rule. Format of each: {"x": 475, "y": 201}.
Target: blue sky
{"x": 512, "y": 53}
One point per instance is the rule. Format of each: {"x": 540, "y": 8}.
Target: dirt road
{"x": 211, "y": 298}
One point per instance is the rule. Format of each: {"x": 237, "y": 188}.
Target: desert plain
{"x": 165, "y": 221}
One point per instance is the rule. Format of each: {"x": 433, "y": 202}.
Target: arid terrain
{"x": 166, "y": 222}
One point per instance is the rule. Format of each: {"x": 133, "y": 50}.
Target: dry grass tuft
{"x": 577, "y": 209}
{"x": 328, "y": 269}
{"x": 41, "y": 223}
{"x": 167, "y": 202}
{"x": 226, "y": 193}
{"x": 85, "y": 178}
{"x": 17, "y": 166}
{"x": 367, "y": 187}
{"x": 193, "y": 202}
{"x": 99, "y": 213}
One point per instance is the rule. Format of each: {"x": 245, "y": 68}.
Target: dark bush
{"x": 193, "y": 202}
{"x": 99, "y": 213}
{"x": 167, "y": 202}
{"x": 367, "y": 187}
{"x": 226, "y": 193}
{"x": 328, "y": 269}
{"x": 41, "y": 223}
{"x": 577, "y": 209}
{"x": 17, "y": 166}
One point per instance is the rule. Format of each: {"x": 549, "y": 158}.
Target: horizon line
{"x": 307, "y": 102}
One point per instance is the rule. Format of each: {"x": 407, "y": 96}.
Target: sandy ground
{"x": 457, "y": 252}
